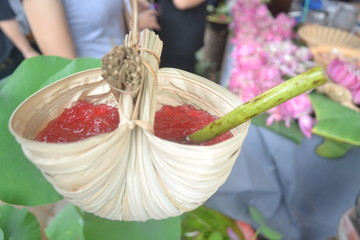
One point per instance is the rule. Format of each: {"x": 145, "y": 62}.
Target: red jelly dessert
{"x": 84, "y": 120}
{"x": 81, "y": 121}
{"x": 176, "y": 123}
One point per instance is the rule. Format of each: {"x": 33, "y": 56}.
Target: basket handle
{"x": 134, "y": 39}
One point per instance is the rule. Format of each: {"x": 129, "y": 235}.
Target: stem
{"x": 261, "y": 103}
{"x": 256, "y": 234}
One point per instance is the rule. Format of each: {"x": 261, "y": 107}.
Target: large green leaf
{"x": 96, "y": 228}
{"x": 335, "y": 121}
{"x": 18, "y": 224}
{"x": 67, "y": 224}
{"x": 1, "y": 234}
{"x": 22, "y": 182}
{"x": 293, "y": 132}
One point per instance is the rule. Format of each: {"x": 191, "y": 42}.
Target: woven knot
{"x": 122, "y": 68}
{"x": 131, "y": 124}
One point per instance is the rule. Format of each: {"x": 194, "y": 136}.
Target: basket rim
{"x": 350, "y": 51}
{"x": 97, "y": 78}
{"x": 346, "y": 51}
{"x": 312, "y": 40}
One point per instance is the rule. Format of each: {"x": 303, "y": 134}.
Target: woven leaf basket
{"x": 324, "y": 54}
{"x": 130, "y": 174}
{"x": 315, "y": 35}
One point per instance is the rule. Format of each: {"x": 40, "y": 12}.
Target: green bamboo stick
{"x": 261, "y": 103}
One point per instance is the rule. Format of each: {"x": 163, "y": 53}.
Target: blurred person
{"x": 81, "y": 28}
{"x": 182, "y": 25}
{"x": 15, "y": 46}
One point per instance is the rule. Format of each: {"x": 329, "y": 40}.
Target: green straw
{"x": 261, "y": 103}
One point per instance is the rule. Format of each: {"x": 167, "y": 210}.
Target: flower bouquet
{"x": 265, "y": 54}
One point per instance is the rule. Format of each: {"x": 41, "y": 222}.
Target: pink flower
{"x": 248, "y": 92}
{"x": 298, "y": 108}
{"x": 267, "y": 77}
{"x": 303, "y": 54}
{"x": 232, "y": 235}
{"x": 344, "y": 72}
{"x": 356, "y": 96}
{"x": 241, "y": 77}
{"x": 263, "y": 54}
{"x": 306, "y": 124}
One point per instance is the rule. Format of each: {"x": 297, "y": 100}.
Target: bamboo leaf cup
{"x": 261, "y": 103}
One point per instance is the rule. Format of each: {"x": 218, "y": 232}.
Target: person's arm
{"x": 186, "y": 4}
{"x": 12, "y": 30}
{"x": 50, "y": 28}
{"x": 148, "y": 19}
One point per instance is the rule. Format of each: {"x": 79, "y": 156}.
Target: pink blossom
{"x": 248, "y": 92}
{"x": 344, "y": 72}
{"x": 267, "y": 77}
{"x": 303, "y": 54}
{"x": 298, "y": 108}
{"x": 356, "y": 96}
{"x": 241, "y": 77}
{"x": 262, "y": 12}
{"x": 232, "y": 235}
{"x": 263, "y": 55}
{"x": 306, "y": 124}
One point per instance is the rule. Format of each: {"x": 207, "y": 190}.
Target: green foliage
{"x": 221, "y": 13}
{"x": 72, "y": 223}
{"x": 336, "y": 123}
{"x": 25, "y": 185}
{"x": 293, "y": 132}
{"x": 96, "y": 228}
{"x": 18, "y": 224}
{"x": 333, "y": 149}
{"x": 206, "y": 68}
{"x": 203, "y": 223}
{"x": 67, "y": 224}
{"x": 216, "y": 236}
{"x": 263, "y": 228}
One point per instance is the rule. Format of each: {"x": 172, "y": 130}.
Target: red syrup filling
{"x": 81, "y": 121}
{"x": 84, "y": 120}
{"x": 176, "y": 123}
